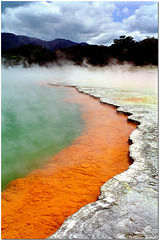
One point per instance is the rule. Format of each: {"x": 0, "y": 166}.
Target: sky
{"x": 94, "y": 22}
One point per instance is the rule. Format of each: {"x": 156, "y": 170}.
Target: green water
{"x": 36, "y": 123}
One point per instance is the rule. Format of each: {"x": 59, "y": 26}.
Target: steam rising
{"x": 23, "y": 86}
{"x": 110, "y": 76}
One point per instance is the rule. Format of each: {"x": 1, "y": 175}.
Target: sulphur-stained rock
{"x": 127, "y": 205}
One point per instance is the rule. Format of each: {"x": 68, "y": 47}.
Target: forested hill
{"x": 123, "y": 49}
{"x": 10, "y": 40}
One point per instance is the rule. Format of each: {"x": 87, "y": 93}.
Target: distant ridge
{"x": 10, "y": 40}
{"x": 23, "y": 49}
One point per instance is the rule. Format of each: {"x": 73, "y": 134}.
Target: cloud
{"x": 59, "y": 19}
{"x": 13, "y": 4}
{"x": 84, "y": 21}
{"x": 144, "y": 20}
{"x": 125, "y": 10}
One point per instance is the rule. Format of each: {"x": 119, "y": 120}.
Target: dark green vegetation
{"x": 124, "y": 49}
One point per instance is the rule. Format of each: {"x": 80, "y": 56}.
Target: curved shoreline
{"x": 72, "y": 179}
{"x": 127, "y": 205}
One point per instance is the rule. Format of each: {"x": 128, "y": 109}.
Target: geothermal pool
{"x": 60, "y": 183}
{"x": 36, "y": 124}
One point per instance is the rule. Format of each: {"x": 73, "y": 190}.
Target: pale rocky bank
{"x": 127, "y": 205}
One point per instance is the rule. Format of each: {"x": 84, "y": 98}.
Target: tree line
{"x": 123, "y": 49}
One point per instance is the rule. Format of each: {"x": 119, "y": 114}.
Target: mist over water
{"x": 109, "y": 76}
{"x": 37, "y": 122}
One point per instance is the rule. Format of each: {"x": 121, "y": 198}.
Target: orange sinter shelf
{"x": 34, "y": 207}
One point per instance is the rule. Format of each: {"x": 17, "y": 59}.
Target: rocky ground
{"x": 127, "y": 205}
